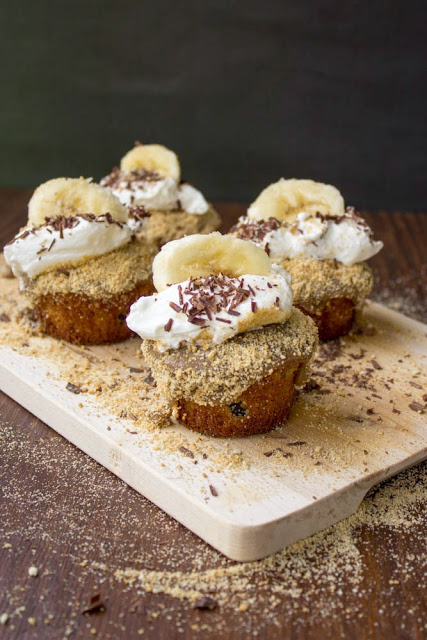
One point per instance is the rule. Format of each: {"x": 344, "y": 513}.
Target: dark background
{"x": 245, "y": 92}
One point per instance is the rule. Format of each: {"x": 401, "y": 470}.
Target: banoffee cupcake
{"x": 224, "y": 343}
{"x": 161, "y": 206}
{"x": 78, "y": 262}
{"x": 305, "y": 227}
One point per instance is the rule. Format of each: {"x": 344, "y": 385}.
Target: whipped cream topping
{"x": 215, "y": 308}
{"x": 64, "y": 240}
{"x": 346, "y": 238}
{"x": 148, "y": 189}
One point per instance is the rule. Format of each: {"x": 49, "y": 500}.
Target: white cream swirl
{"x": 161, "y": 194}
{"x": 178, "y": 314}
{"x": 347, "y": 238}
{"x": 38, "y": 249}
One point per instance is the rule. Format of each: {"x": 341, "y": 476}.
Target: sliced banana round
{"x": 286, "y": 198}
{"x": 203, "y": 255}
{"x": 152, "y": 157}
{"x": 70, "y": 197}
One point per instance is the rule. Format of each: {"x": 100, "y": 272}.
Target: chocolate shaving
{"x": 213, "y": 491}
{"x": 285, "y": 454}
{"x": 205, "y": 602}
{"x": 150, "y": 380}
{"x": 73, "y": 388}
{"x": 358, "y": 356}
{"x": 126, "y": 179}
{"x": 4, "y": 317}
{"x": 175, "y": 307}
{"x": 376, "y": 365}
{"x": 254, "y": 231}
{"x": 95, "y": 605}
{"x": 311, "y": 385}
{"x": 186, "y": 452}
{"x": 197, "y": 321}
{"x": 417, "y": 406}
{"x": 168, "y": 325}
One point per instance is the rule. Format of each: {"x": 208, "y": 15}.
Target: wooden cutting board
{"x": 360, "y": 420}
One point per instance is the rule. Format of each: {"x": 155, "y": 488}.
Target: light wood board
{"x": 340, "y": 441}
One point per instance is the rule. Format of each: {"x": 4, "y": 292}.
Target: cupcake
{"x": 304, "y": 227}
{"x": 161, "y": 206}
{"x": 224, "y": 343}
{"x": 78, "y": 262}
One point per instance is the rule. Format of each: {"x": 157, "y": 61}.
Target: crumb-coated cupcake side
{"x": 83, "y": 319}
{"x": 262, "y": 407}
{"x": 212, "y": 374}
{"x": 88, "y": 303}
{"x": 305, "y": 227}
{"x": 101, "y": 278}
{"x": 79, "y": 263}
{"x": 331, "y": 293}
{"x": 315, "y": 282}
{"x": 224, "y": 343}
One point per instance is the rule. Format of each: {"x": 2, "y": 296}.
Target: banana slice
{"x": 203, "y": 255}
{"x": 71, "y": 196}
{"x": 152, "y": 157}
{"x": 286, "y": 198}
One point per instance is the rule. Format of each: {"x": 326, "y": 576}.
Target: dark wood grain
{"x": 76, "y": 522}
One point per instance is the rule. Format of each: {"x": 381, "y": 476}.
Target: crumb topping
{"x": 315, "y": 282}
{"x": 102, "y": 277}
{"x": 212, "y": 374}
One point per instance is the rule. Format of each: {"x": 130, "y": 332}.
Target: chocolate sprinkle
{"x": 96, "y": 604}
{"x": 186, "y": 452}
{"x": 73, "y": 388}
{"x": 168, "y": 325}
{"x": 417, "y": 406}
{"x": 254, "y": 231}
{"x": 205, "y": 602}
{"x": 213, "y": 491}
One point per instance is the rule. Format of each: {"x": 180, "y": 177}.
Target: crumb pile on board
{"x": 164, "y": 572}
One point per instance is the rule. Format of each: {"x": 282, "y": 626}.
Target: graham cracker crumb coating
{"x": 335, "y": 319}
{"x": 262, "y": 407}
{"x": 163, "y": 226}
{"x": 84, "y": 320}
{"x": 100, "y": 278}
{"x": 210, "y": 374}
{"x": 316, "y": 282}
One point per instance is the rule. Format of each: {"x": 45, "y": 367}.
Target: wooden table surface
{"x": 63, "y": 513}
